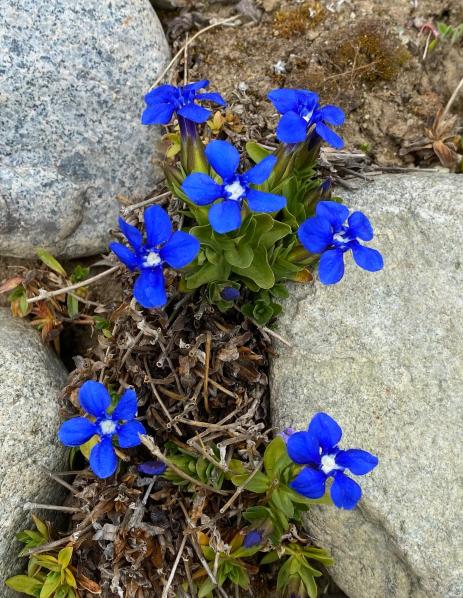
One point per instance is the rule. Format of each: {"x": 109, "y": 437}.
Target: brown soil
{"x": 366, "y": 57}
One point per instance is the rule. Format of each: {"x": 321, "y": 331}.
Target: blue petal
{"x": 326, "y": 430}
{"x": 335, "y": 212}
{"x": 180, "y": 250}
{"x": 259, "y": 201}
{"x": 331, "y": 266}
{"x": 261, "y": 171}
{"x": 157, "y": 224}
{"x": 291, "y": 128}
{"x": 252, "y": 538}
{"x": 76, "y": 431}
{"x": 308, "y": 98}
{"x": 127, "y": 407}
{"x": 212, "y": 97}
{"x": 152, "y": 467}
{"x": 197, "y": 114}
{"x": 94, "y": 398}
{"x": 315, "y": 234}
{"x": 367, "y": 258}
{"x": 149, "y": 288}
{"x": 332, "y": 115}
{"x": 329, "y": 136}
{"x": 103, "y": 460}
{"x": 360, "y": 226}
{"x": 223, "y": 157}
{"x": 126, "y": 256}
{"x": 195, "y": 86}
{"x": 128, "y": 434}
{"x": 345, "y": 493}
{"x": 225, "y": 216}
{"x": 201, "y": 189}
{"x": 132, "y": 234}
{"x": 303, "y": 448}
{"x": 284, "y": 100}
{"x": 357, "y": 461}
{"x": 310, "y": 483}
{"x": 157, "y": 114}
{"x": 161, "y": 94}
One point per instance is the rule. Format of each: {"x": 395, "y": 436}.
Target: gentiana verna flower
{"x": 225, "y": 215}
{"x": 252, "y": 538}
{"x": 165, "y": 100}
{"x": 152, "y": 467}
{"x": 332, "y": 232}
{"x": 162, "y": 245}
{"x": 318, "y": 449}
{"x": 120, "y": 425}
{"x": 301, "y": 110}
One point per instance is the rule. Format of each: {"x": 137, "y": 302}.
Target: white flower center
{"x": 329, "y": 464}
{"x": 308, "y": 116}
{"x": 152, "y": 259}
{"x": 341, "y": 238}
{"x": 235, "y": 190}
{"x": 108, "y": 426}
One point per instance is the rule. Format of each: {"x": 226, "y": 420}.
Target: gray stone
{"x": 72, "y": 80}
{"x": 382, "y": 353}
{"x": 31, "y": 377}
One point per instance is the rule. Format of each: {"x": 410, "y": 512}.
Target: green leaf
{"x": 270, "y": 557}
{"x": 309, "y": 582}
{"x": 256, "y": 152}
{"x": 278, "y": 231}
{"x": 72, "y": 305}
{"x": 279, "y": 291}
{"x": 282, "y": 502}
{"x": 259, "y": 272}
{"x": 208, "y": 273}
{"x": 258, "y": 484}
{"x": 65, "y": 556}
{"x": 206, "y": 588}
{"x": 240, "y": 255}
{"x": 80, "y": 273}
{"x": 257, "y": 513}
{"x": 41, "y": 527}
{"x": 25, "y": 585}
{"x": 276, "y": 457}
{"x": 239, "y": 577}
{"x": 50, "y": 261}
{"x": 51, "y": 584}
{"x": 283, "y": 574}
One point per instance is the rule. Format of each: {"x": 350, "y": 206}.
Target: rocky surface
{"x": 73, "y": 76}
{"x": 31, "y": 377}
{"x": 383, "y": 354}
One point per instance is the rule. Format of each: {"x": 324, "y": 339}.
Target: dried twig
{"x": 84, "y": 283}
{"x": 188, "y": 43}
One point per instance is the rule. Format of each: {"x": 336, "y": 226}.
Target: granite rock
{"x": 383, "y": 353}
{"x": 72, "y": 80}
{"x": 31, "y": 377}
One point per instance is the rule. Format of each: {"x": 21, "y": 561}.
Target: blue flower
{"x": 318, "y": 448}
{"x": 177, "y": 249}
{"x": 301, "y": 110}
{"x": 252, "y": 538}
{"x": 328, "y": 233}
{"x": 152, "y": 467}
{"x": 95, "y": 400}
{"x": 225, "y": 215}
{"x": 164, "y": 100}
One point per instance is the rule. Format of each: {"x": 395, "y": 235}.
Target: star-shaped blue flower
{"x": 318, "y": 449}
{"x": 225, "y": 215}
{"x": 164, "y": 100}
{"x": 177, "y": 249}
{"x": 301, "y": 110}
{"x": 95, "y": 400}
{"x": 332, "y": 232}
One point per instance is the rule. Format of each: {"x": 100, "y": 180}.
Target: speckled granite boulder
{"x": 383, "y": 354}
{"x": 31, "y": 377}
{"x": 72, "y": 80}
